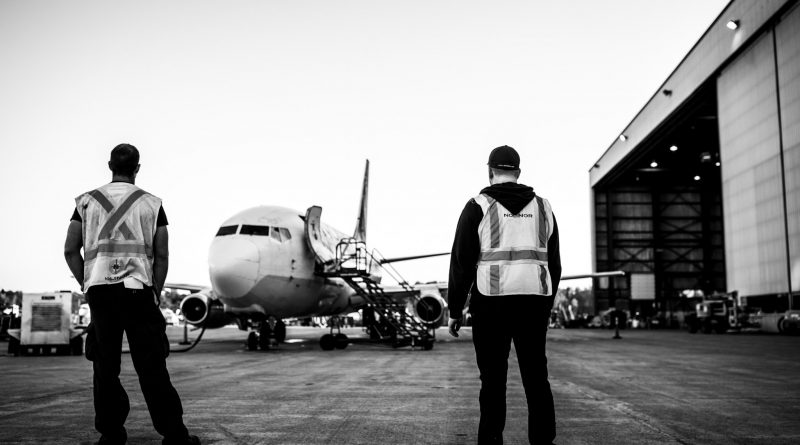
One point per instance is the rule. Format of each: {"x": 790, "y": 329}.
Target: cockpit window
{"x": 226, "y": 230}
{"x": 254, "y": 230}
{"x": 285, "y": 233}
{"x": 276, "y": 234}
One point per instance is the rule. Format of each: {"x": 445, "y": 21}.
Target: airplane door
{"x": 313, "y": 231}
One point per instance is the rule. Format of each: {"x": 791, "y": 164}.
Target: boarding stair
{"x": 391, "y": 323}
{"x": 385, "y": 316}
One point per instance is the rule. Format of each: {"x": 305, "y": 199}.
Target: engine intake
{"x": 429, "y": 308}
{"x": 201, "y": 310}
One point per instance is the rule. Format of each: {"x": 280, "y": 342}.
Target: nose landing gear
{"x": 271, "y": 333}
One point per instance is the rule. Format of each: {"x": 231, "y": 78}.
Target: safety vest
{"x": 119, "y": 223}
{"x": 513, "y": 257}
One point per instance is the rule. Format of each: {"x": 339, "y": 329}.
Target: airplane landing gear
{"x": 265, "y": 337}
{"x": 280, "y": 331}
{"x": 270, "y": 334}
{"x": 252, "y": 341}
{"x": 331, "y": 341}
{"x": 327, "y": 342}
{"x": 341, "y": 341}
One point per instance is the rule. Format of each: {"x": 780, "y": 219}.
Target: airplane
{"x": 270, "y": 263}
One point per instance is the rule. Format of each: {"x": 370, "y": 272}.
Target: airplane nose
{"x": 233, "y": 266}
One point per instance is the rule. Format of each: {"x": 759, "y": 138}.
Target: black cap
{"x": 504, "y": 158}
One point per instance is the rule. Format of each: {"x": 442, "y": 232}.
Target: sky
{"x": 238, "y": 104}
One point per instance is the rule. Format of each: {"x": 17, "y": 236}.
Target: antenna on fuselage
{"x": 361, "y": 224}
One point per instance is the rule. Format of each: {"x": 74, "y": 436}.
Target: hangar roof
{"x": 715, "y": 48}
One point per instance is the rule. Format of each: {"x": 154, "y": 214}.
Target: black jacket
{"x": 467, "y": 248}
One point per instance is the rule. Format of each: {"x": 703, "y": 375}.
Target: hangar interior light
{"x": 732, "y": 24}
{"x": 692, "y": 141}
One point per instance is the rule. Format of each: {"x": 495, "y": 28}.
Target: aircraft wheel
{"x": 427, "y": 344}
{"x": 264, "y": 337}
{"x": 341, "y": 341}
{"x": 327, "y": 342}
{"x": 252, "y": 341}
{"x": 280, "y": 331}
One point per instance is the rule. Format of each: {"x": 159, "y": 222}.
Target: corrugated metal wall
{"x": 752, "y": 165}
{"x": 787, "y": 35}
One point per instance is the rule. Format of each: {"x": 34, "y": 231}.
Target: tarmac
{"x": 650, "y": 387}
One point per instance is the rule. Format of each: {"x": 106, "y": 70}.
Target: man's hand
{"x": 454, "y": 324}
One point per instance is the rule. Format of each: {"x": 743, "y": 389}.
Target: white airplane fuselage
{"x": 260, "y": 262}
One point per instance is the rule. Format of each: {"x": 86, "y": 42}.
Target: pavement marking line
{"x": 625, "y": 409}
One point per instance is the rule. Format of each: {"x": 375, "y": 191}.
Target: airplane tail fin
{"x": 361, "y": 225}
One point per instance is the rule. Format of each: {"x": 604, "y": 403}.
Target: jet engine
{"x": 203, "y": 310}
{"x": 429, "y": 308}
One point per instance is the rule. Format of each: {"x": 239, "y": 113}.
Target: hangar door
{"x": 759, "y": 129}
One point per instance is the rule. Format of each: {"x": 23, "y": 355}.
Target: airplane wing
{"x": 428, "y": 301}
{"x": 193, "y": 288}
{"x": 615, "y": 273}
{"x": 407, "y": 258}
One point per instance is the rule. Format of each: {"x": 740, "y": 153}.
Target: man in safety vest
{"x": 123, "y": 232}
{"x": 506, "y": 259}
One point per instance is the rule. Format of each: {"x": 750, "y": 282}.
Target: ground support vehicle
{"x": 46, "y": 326}
{"x": 717, "y": 313}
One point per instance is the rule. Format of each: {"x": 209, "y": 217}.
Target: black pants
{"x": 496, "y": 322}
{"x": 116, "y": 309}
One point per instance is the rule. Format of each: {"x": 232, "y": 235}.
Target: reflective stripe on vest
{"x": 118, "y": 248}
{"x": 118, "y": 237}
{"x": 513, "y": 257}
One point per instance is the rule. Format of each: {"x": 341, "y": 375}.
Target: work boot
{"x": 188, "y": 440}
{"x": 113, "y": 440}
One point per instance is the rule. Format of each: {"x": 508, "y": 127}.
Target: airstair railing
{"x": 379, "y": 259}
{"x": 355, "y": 265}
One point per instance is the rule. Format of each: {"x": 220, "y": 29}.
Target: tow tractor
{"x": 46, "y": 326}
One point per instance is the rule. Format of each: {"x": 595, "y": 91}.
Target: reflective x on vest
{"x": 116, "y": 215}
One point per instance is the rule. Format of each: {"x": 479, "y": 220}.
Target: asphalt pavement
{"x": 650, "y": 387}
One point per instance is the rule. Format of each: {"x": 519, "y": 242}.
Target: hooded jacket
{"x": 466, "y": 245}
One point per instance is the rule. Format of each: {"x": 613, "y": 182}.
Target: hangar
{"x": 700, "y": 192}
